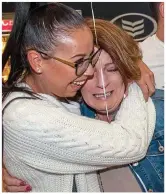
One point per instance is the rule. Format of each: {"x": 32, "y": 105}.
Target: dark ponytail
{"x": 12, "y": 49}
{"x": 37, "y": 26}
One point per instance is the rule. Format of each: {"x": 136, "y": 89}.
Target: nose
{"x": 100, "y": 79}
{"x": 89, "y": 71}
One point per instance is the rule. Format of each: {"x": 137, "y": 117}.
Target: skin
{"x": 113, "y": 83}
{"x": 55, "y": 78}
{"x": 147, "y": 81}
{"x": 160, "y": 25}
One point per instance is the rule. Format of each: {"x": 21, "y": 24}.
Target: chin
{"x": 72, "y": 94}
{"x": 101, "y": 111}
{"x": 110, "y": 110}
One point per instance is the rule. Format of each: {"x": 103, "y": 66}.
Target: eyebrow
{"x": 82, "y": 55}
{"x": 79, "y": 55}
{"x": 111, "y": 63}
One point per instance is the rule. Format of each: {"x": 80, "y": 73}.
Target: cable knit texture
{"x": 45, "y": 144}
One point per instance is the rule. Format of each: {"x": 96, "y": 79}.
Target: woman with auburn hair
{"x": 116, "y": 69}
{"x": 135, "y": 97}
{"x": 119, "y": 45}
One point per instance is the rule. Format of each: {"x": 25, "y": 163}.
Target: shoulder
{"x": 147, "y": 42}
{"x": 148, "y": 46}
{"x": 16, "y": 103}
{"x": 22, "y": 103}
{"x": 135, "y": 90}
{"x": 18, "y": 96}
{"x": 26, "y": 107}
{"x": 140, "y": 107}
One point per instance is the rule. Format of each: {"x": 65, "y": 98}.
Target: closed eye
{"x": 112, "y": 69}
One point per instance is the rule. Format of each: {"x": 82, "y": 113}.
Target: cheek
{"x": 60, "y": 74}
{"x": 89, "y": 87}
{"x": 118, "y": 86}
{"x": 116, "y": 81}
{"x": 89, "y": 100}
{"x": 56, "y": 79}
{"x": 87, "y": 94}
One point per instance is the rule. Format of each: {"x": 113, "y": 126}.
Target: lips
{"x": 102, "y": 96}
{"x": 79, "y": 83}
{"x": 76, "y": 85}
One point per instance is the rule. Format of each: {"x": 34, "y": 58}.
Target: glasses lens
{"x": 82, "y": 67}
{"x": 95, "y": 57}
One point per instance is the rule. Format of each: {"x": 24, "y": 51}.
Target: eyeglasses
{"x": 81, "y": 65}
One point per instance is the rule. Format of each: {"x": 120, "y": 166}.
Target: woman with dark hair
{"x": 45, "y": 144}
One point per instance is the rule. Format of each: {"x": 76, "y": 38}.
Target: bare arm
{"x": 147, "y": 81}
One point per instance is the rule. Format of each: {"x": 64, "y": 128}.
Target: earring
{"x": 85, "y": 73}
{"x": 38, "y": 70}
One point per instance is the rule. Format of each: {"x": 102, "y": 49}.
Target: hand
{"x": 11, "y": 184}
{"x": 147, "y": 81}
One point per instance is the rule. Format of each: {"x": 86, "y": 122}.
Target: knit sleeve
{"x": 39, "y": 134}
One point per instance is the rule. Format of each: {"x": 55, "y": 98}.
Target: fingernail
{"x": 23, "y": 183}
{"x": 28, "y": 188}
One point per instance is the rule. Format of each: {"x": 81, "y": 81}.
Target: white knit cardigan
{"x": 48, "y": 146}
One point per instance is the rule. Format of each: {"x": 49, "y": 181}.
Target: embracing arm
{"x": 147, "y": 81}
{"x": 54, "y": 134}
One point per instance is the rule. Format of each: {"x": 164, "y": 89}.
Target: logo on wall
{"x": 7, "y": 25}
{"x": 139, "y": 26}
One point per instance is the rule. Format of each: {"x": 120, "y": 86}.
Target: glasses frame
{"x": 73, "y": 64}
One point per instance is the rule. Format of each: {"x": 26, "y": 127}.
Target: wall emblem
{"x": 138, "y": 25}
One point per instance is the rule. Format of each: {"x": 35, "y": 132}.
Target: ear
{"x": 161, "y": 9}
{"x": 35, "y": 61}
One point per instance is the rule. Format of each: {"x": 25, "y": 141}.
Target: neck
{"x": 160, "y": 31}
{"x": 103, "y": 117}
{"x": 35, "y": 84}
{"x": 37, "y": 87}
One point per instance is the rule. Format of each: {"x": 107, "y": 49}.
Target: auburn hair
{"x": 121, "y": 47}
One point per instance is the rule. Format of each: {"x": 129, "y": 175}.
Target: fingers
{"x": 149, "y": 80}
{"x": 150, "y": 75}
{"x": 145, "y": 91}
{"x": 11, "y": 181}
{"x": 153, "y": 80}
{"x": 12, "y": 184}
{"x": 18, "y": 188}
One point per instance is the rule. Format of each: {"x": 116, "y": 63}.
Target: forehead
{"x": 77, "y": 41}
{"x": 104, "y": 59}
